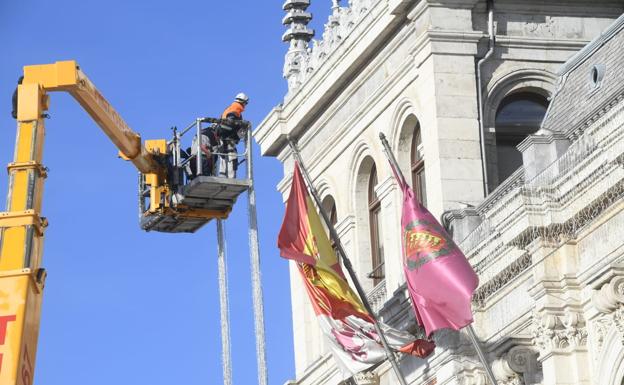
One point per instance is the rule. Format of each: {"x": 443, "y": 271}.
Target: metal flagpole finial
{"x": 393, "y": 162}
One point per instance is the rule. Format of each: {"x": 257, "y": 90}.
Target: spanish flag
{"x": 341, "y": 314}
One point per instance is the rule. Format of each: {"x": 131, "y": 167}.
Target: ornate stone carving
{"x": 618, "y": 321}
{"x": 366, "y": 378}
{"x": 559, "y": 332}
{"x": 610, "y": 296}
{"x": 600, "y": 328}
{"x": 518, "y": 366}
{"x": 298, "y": 34}
{"x": 536, "y": 26}
{"x": 609, "y": 301}
{"x": 504, "y": 374}
{"x": 301, "y": 59}
{"x": 472, "y": 376}
{"x": 377, "y": 296}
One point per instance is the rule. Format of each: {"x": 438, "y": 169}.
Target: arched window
{"x": 517, "y": 116}
{"x": 374, "y": 218}
{"x": 418, "y": 166}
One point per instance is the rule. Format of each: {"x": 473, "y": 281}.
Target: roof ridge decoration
{"x": 303, "y": 58}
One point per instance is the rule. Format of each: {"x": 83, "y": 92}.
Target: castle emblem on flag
{"x": 422, "y": 244}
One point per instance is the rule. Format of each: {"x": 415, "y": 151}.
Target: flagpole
{"x": 347, "y": 263}
{"x": 473, "y": 337}
{"x": 477, "y": 346}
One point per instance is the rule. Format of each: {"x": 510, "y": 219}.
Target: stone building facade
{"x": 538, "y": 211}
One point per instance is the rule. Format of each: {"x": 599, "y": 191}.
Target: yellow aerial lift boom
{"x": 169, "y": 202}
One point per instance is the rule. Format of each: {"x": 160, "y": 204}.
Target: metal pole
{"x": 226, "y": 356}
{"x": 475, "y": 343}
{"x": 471, "y": 333}
{"x": 347, "y": 263}
{"x": 199, "y": 156}
{"x": 492, "y": 39}
{"x": 256, "y": 283}
{"x": 392, "y": 159}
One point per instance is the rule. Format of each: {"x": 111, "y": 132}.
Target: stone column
{"x": 559, "y": 325}
{"x": 449, "y": 121}
{"x": 390, "y": 197}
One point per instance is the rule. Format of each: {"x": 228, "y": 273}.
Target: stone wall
{"x": 408, "y": 61}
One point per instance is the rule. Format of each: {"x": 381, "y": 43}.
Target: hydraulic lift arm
{"x": 22, "y": 226}
{"x": 67, "y": 76}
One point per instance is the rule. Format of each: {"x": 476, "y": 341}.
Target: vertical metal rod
{"x": 226, "y": 356}
{"x": 256, "y": 283}
{"x": 491, "y": 44}
{"x": 347, "y": 263}
{"x": 199, "y": 154}
{"x": 477, "y": 346}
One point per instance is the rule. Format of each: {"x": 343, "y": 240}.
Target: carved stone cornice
{"x": 501, "y": 279}
{"x": 610, "y": 297}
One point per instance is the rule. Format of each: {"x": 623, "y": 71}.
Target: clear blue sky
{"x": 122, "y": 306}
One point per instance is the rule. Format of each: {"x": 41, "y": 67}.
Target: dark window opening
{"x": 374, "y": 216}
{"x": 418, "y": 167}
{"x": 518, "y": 116}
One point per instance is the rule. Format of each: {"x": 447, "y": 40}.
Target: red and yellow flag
{"x": 340, "y": 312}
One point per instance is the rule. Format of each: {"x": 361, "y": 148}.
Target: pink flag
{"x": 439, "y": 278}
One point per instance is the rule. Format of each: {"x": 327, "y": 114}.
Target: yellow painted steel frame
{"x": 22, "y": 227}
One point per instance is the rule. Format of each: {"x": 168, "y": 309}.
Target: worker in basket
{"x": 230, "y": 133}
{"x": 208, "y": 144}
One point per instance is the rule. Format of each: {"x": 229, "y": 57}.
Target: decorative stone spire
{"x": 299, "y": 35}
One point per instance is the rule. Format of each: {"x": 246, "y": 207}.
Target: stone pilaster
{"x": 390, "y": 197}
{"x": 559, "y": 324}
